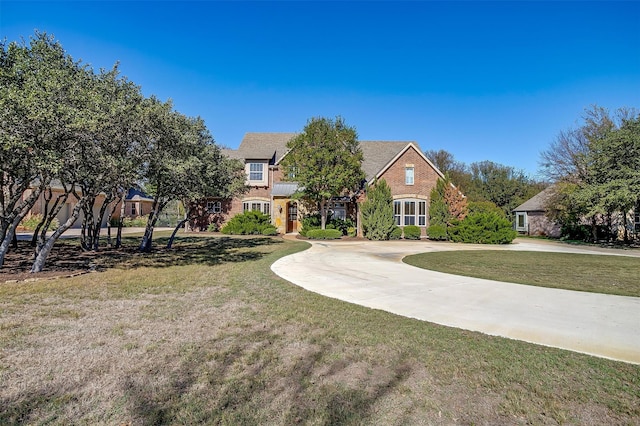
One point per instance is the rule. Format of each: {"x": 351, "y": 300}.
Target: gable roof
{"x": 382, "y": 162}
{"x": 538, "y": 202}
{"x": 263, "y": 146}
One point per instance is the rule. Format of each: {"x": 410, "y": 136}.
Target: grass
{"x": 582, "y": 272}
{"x": 211, "y": 336}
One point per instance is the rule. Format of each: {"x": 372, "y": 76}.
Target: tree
{"x": 326, "y": 160}
{"x": 42, "y": 97}
{"x": 596, "y": 167}
{"x": 377, "y": 212}
{"x": 447, "y": 206}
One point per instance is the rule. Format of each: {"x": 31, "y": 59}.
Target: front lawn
{"x": 583, "y": 272}
{"x": 207, "y": 334}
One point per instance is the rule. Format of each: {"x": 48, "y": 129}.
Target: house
{"x": 530, "y": 216}
{"x": 409, "y": 173}
{"x": 136, "y": 204}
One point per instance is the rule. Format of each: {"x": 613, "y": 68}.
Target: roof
{"x": 137, "y": 195}
{"x": 377, "y": 154}
{"x": 284, "y": 189}
{"x": 263, "y": 146}
{"x": 538, "y": 202}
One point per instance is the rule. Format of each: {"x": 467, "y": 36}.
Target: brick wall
{"x": 425, "y": 176}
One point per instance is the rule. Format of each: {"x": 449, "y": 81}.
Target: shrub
{"x": 437, "y": 232}
{"x": 137, "y": 222}
{"x": 310, "y": 222}
{"x": 313, "y": 221}
{"x": 247, "y": 223}
{"x": 324, "y": 234}
{"x": 483, "y": 228}
{"x": 32, "y": 222}
{"x": 352, "y": 231}
{"x": 396, "y": 233}
{"x": 377, "y": 212}
{"x": 412, "y": 232}
{"x": 269, "y": 230}
{"x": 213, "y": 227}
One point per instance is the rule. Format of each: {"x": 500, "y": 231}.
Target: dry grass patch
{"x": 606, "y": 274}
{"x": 209, "y": 341}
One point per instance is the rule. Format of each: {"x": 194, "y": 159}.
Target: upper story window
{"x": 408, "y": 175}
{"x": 256, "y": 171}
{"x": 214, "y": 206}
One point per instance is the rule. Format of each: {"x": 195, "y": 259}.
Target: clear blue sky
{"x": 483, "y": 80}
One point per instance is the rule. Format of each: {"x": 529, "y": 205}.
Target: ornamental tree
{"x": 326, "y": 160}
{"x": 377, "y": 212}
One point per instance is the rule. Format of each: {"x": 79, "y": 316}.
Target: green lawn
{"x": 207, "y": 334}
{"x": 583, "y": 272}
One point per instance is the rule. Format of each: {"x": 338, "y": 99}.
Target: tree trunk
{"x": 175, "y": 231}
{"x": 9, "y": 234}
{"x": 120, "y": 222}
{"x": 323, "y": 214}
{"x": 46, "y": 246}
{"x": 98, "y": 224}
{"x": 9, "y": 224}
{"x": 147, "y": 239}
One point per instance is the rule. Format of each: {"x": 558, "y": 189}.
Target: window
{"x": 410, "y": 212}
{"x": 214, "y": 206}
{"x": 521, "y": 221}
{"x": 133, "y": 209}
{"x": 256, "y": 172}
{"x": 261, "y": 206}
{"x": 338, "y": 211}
{"x": 408, "y": 175}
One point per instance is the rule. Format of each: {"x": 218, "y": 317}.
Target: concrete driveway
{"x": 372, "y": 274}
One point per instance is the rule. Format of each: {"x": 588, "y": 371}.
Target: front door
{"x": 292, "y": 217}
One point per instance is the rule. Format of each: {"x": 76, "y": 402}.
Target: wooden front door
{"x": 292, "y": 217}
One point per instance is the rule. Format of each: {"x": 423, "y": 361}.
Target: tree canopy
{"x": 326, "y": 160}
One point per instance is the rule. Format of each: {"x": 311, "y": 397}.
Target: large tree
{"x": 596, "y": 167}
{"x": 42, "y": 99}
{"x": 326, "y": 160}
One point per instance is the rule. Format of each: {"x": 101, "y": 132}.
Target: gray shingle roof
{"x": 284, "y": 189}
{"x": 538, "y": 202}
{"x": 261, "y": 146}
{"x": 378, "y": 154}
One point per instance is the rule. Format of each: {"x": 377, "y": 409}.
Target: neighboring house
{"x": 531, "y": 217}
{"x": 136, "y": 204}
{"x": 410, "y": 175}
{"x": 67, "y": 208}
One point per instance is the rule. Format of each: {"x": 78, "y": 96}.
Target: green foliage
{"x": 438, "y": 210}
{"x": 324, "y": 234}
{"x": 213, "y": 227}
{"x": 437, "y": 232}
{"x": 248, "y": 223}
{"x": 326, "y": 160}
{"x": 313, "y": 221}
{"x": 396, "y": 233}
{"x": 135, "y": 222}
{"x": 377, "y": 212}
{"x": 32, "y": 222}
{"x": 269, "y": 230}
{"x": 352, "y": 231}
{"x": 412, "y": 232}
{"x": 483, "y": 228}
{"x": 485, "y": 207}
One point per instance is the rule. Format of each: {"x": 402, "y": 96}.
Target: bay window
{"x": 410, "y": 212}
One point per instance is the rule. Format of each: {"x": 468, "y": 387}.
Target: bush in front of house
{"x": 437, "y": 233}
{"x": 248, "y": 223}
{"x": 396, "y": 233}
{"x": 269, "y": 231}
{"x": 324, "y": 234}
{"x": 312, "y": 221}
{"x": 377, "y": 212}
{"x": 483, "y": 228}
{"x": 412, "y": 232}
{"x": 135, "y": 222}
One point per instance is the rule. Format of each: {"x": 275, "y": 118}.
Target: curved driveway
{"x": 372, "y": 274}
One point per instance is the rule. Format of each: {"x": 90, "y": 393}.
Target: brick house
{"x": 409, "y": 173}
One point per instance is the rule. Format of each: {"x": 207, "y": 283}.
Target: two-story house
{"x": 409, "y": 173}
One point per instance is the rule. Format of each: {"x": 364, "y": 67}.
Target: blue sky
{"x": 483, "y": 80}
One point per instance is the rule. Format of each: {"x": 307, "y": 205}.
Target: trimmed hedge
{"x": 269, "y": 231}
{"x": 412, "y": 232}
{"x": 324, "y": 234}
{"x": 437, "y": 232}
{"x": 396, "y": 233}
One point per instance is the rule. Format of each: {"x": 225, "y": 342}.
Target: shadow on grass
{"x": 246, "y": 384}
{"x": 67, "y": 257}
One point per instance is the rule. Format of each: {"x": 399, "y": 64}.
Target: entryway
{"x": 292, "y": 217}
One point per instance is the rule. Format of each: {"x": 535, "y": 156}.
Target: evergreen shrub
{"x": 377, "y": 212}
{"x": 483, "y": 228}
{"x": 412, "y": 232}
{"x": 437, "y": 233}
{"x": 269, "y": 230}
{"x": 396, "y": 233}
{"x": 247, "y": 223}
